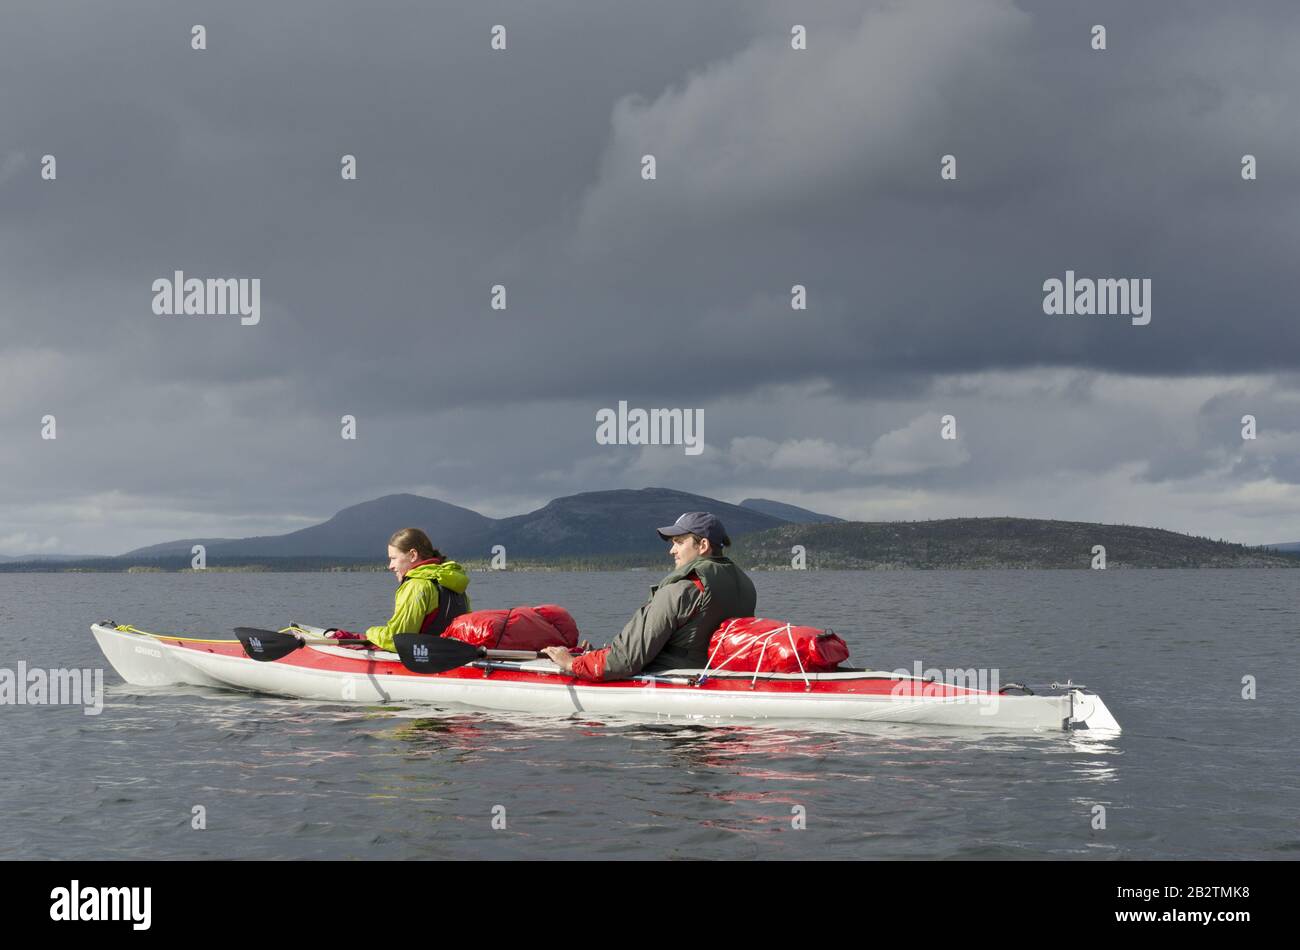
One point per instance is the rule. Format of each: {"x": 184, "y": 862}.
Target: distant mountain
{"x": 613, "y": 522}
{"x": 1291, "y": 547}
{"x": 612, "y": 529}
{"x": 177, "y": 548}
{"x": 994, "y": 543}
{"x": 359, "y": 531}
{"x": 592, "y": 523}
{"x": 45, "y": 557}
{"x": 791, "y": 513}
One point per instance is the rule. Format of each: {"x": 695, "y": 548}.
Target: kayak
{"x": 332, "y": 673}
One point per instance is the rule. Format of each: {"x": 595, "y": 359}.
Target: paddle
{"x": 419, "y": 652}
{"x": 275, "y": 645}
{"x": 267, "y": 644}
{"x": 426, "y": 653}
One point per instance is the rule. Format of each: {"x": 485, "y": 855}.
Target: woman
{"x": 430, "y": 591}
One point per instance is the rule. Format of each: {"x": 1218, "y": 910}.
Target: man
{"x": 672, "y": 629}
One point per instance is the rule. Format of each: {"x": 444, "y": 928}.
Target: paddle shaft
{"x": 320, "y": 632}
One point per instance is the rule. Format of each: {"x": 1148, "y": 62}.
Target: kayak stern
{"x": 1088, "y": 712}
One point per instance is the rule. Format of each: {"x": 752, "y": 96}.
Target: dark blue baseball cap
{"x": 699, "y": 523}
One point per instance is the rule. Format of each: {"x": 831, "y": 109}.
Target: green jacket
{"x": 673, "y": 628}
{"x": 416, "y": 598}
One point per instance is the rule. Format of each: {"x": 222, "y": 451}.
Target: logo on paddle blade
{"x": 420, "y": 653}
{"x": 255, "y": 644}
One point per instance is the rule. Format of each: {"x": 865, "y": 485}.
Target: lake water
{"x": 1199, "y": 772}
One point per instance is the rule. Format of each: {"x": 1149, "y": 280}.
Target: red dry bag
{"x": 755, "y": 644}
{"x": 519, "y": 628}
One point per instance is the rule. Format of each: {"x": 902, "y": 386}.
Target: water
{"x": 1199, "y": 772}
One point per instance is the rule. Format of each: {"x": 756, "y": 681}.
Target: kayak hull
{"x": 336, "y": 674}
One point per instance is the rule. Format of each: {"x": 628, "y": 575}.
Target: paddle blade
{"x": 266, "y": 644}
{"x": 425, "y": 653}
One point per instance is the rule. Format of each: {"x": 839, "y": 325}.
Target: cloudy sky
{"x": 523, "y": 167}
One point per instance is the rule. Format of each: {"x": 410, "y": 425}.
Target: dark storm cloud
{"x": 774, "y": 168}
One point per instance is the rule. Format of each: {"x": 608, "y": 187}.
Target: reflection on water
{"x": 779, "y": 755}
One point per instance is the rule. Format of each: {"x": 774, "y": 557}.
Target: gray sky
{"x": 522, "y": 167}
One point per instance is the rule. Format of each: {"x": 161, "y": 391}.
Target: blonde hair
{"x": 407, "y": 539}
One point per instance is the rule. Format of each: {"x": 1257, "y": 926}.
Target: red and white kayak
{"x": 333, "y": 673}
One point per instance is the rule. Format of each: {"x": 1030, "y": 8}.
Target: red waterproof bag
{"x": 519, "y": 628}
{"x": 755, "y": 644}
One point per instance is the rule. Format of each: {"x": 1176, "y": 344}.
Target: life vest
{"x": 451, "y": 604}
{"x": 725, "y": 592}
{"x": 448, "y": 604}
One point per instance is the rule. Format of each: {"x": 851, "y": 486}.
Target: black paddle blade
{"x": 266, "y": 644}
{"x": 425, "y": 653}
